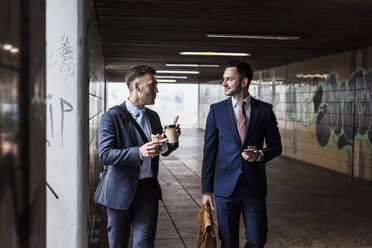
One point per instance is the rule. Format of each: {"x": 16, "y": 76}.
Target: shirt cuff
{"x": 139, "y": 152}
{"x": 164, "y": 147}
{"x": 261, "y": 157}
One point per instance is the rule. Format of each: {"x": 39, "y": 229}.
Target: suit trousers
{"x": 143, "y": 214}
{"x": 254, "y": 216}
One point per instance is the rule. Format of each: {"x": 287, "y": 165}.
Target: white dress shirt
{"x": 247, "y": 109}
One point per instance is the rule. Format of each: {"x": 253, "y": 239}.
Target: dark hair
{"x": 244, "y": 69}
{"x": 138, "y": 71}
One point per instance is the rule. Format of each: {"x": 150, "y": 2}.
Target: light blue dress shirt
{"x": 145, "y": 169}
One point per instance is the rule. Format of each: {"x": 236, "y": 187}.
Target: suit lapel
{"x": 231, "y": 119}
{"x": 154, "y": 165}
{"x": 151, "y": 120}
{"x": 252, "y": 119}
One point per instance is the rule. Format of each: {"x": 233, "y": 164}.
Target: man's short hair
{"x": 138, "y": 71}
{"x": 244, "y": 69}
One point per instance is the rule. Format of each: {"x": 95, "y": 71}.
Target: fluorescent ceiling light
{"x": 214, "y": 54}
{"x": 178, "y": 72}
{"x": 14, "y": 50}
{"x": 167, "y": 80}
{"x": 7, "y": 47}
{"x": 191, "y": 65}
{"x": 312, "y": 75}
{"x": 176, "y": 77}
{"x": 265, "y": 37}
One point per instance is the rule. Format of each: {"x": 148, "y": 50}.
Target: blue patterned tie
{"x": 140, "y": 120}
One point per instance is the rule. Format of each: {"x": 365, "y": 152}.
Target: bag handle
{"x": 129, "y": 117}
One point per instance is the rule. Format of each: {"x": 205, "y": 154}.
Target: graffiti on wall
{"x": 66, "y": 52}
{"x": 178, "y": 98}
{"x": 299, "y": 102}
{"x": 344, "y": 109}
{"x": 65, "y": 107}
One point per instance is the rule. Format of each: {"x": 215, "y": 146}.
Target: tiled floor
{"x": 307, "y": 206}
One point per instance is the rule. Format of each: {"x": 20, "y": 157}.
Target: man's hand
{"x": 150, "y": 149}
{"x": 251, "y": 156}
{"x": 207, "y": 201}
{"x": 178, "y": 129}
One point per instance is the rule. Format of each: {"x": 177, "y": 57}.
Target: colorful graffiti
{"x": 344, "y": 109}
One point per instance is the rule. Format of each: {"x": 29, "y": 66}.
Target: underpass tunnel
{"x": 63, "y": 64}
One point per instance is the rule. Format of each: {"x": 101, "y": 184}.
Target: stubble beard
{"x": 234, "y": 91}
{"x": 152, "y": 100}
{"x": 148, "y": 98}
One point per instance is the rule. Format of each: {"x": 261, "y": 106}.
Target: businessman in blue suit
{"x": 131, "y": 190}
{"x": 234, "y": 158}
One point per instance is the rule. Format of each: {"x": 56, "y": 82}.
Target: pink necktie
{"x": 240, "y": 121}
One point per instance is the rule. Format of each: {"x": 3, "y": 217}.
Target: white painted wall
{"x": 172, "y": 100}
{"x": 116, "y": 93}
{"x": 213, "y": 93}
{"x": 208, "y": 94}
{"x": 66, "y": 216}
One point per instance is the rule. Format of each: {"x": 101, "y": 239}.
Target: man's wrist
{"x": 139, "y": 151}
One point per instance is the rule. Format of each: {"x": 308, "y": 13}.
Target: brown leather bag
{"x": 206, "y": 237}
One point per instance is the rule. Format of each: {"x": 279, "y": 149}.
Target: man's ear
{"x": 136, "y": 85}
{"x": 244, "y": 82}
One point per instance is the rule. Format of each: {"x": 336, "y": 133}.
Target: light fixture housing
{"x": 191, "y": 65}
{"x": 167, "y": 81}
{"x": 215, "y": 54}
{"x": 171, "y": 77}
{"x": 177, "y": 72}
{"x": 256, "y": 36}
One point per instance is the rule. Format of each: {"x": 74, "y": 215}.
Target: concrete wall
{"x": 323, "y": 107}
{"x": 67, "y": 123}
{"x": 208, "y": 94}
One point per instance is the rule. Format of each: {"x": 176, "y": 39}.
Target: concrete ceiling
{"x": 155, "y": 32}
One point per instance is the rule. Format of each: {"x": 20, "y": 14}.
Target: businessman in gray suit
{"x": 131, "y": 191}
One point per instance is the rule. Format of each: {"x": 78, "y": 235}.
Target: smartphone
{"x": 249, "y": 150}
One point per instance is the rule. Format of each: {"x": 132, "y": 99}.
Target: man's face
{"x": 148, "y": 89}
{"x": 231, "y": 81}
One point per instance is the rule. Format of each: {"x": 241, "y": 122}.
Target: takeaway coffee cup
{"x": 170, "y": 131}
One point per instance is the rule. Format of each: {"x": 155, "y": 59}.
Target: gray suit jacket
{"x": 119, "y": 149}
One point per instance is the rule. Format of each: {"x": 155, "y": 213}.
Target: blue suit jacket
{"x": 222, "y": 148}
{"x": 118, "y": 148}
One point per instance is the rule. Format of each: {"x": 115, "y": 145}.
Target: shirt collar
{"x": 133, "y": 109}
{"x": 235, "y": 102}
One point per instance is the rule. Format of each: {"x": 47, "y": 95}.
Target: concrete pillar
{"x": 67, "y": 106}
